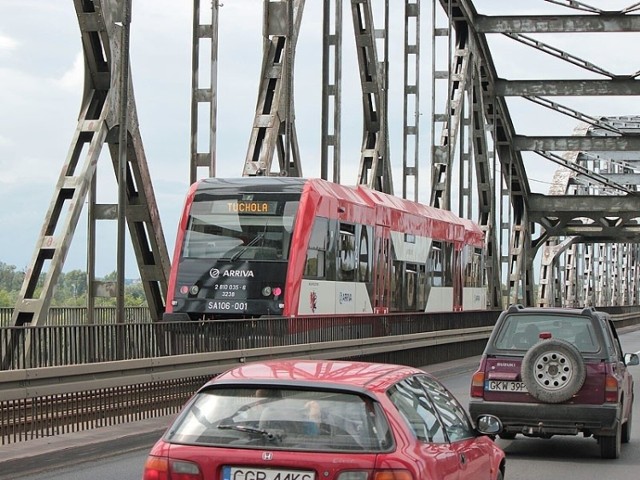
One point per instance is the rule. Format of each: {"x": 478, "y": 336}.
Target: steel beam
{"x": 556, "y": 23}
{"x": 375, "y": 167}
{"x": 485, "y": 183}
{"x": 98, "y": 123}
{"x": 459, "y": 75}
{"x": 623, "y": 143}
{"x": 274, "y": 125}
{"x": 411, "y": 106}
{"x": 593, "y": 218}
{"x": 331, "y": 89}
{"x": 567, "y": 88}
{"x": 204, "y": 95}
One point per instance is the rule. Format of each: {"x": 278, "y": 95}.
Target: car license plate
{"x": 249, "y": 473}
{"x": 505, "y": 386}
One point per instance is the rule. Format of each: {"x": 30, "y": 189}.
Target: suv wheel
{"x": 553, "y": 371}
{"x": 610, "y": 446}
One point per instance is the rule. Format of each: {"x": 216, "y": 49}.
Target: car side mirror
{"x": 489, "y": 424}
{"x": 631, "y": 359}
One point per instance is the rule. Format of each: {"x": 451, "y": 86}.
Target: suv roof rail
{"x": 515, "y": 308}
{"x": 588, "y": 311}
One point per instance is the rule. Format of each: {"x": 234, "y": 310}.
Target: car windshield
{"x": 519, "y": 332}
{"x": 282, "y": 419}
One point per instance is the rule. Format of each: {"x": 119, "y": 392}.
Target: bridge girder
{"x": 532, "y": 219}
{"x": 107, "y": 104}
{"x": 594, "y": 218}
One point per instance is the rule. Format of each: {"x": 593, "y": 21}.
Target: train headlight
{"x": 194, "y": 290}
{"x": 266, "y": 291}
{"x": 277, "y": 291}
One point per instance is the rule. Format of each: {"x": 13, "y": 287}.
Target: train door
{"x": 382, "y": 287}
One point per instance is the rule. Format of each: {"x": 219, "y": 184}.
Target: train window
{"x": 396, "y": 286}
{"x": 289, "y": 214}
{"x": 436, "y": 266}
{"x": 314, "y": 267}
{"x": 319, "y": 234}
{"x": 447, "y": 264}
{"x": 410, "y": 281}
{"x": 409, "y": 238}
{"x": 472, "y": 267}
{"x": 364, "y": 257}
{"x": 410, "y": 284}
{"x": 316, "y": 254}
{"x": 347, "y": 253}
{"x": 421, "y": 299}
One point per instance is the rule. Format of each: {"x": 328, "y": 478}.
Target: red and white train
{"x": 271, "y": 246}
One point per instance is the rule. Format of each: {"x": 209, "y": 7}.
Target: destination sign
{"x": 259, "y": 207}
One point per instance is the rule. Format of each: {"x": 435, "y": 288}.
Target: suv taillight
{"x": 158, "y": 468}
{"x": 477, "y": 384}
{"x": 611, "y": 389}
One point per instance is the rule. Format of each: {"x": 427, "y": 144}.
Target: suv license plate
{"x": 505, "y": 386}
{"x": 249, "y": 473}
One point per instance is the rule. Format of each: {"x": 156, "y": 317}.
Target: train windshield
{"x": 255, "y": 226}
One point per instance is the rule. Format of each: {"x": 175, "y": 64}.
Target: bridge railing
{"x": 80, "y": 315}
{"x": 61, "y": 345}
{"x": 67, "y": 343}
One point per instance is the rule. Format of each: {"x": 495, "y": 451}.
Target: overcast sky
{"x": 41, "y": 83}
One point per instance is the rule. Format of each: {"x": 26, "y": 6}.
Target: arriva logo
{"x": 215, "y": 273}
{"x": 237, "y": 273}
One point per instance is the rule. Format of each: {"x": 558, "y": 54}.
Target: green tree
{"x": 6, "y": 298}
{"x": 70, "y": 290}
{"x": 10, "y": 278}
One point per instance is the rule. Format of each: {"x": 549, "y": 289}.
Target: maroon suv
{"x": 556, "y": 371}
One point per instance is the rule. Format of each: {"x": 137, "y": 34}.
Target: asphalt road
{"x": 527, "y": 459}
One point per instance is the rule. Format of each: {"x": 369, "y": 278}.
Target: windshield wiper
{"x": 244, "y": 248}
{"x": 256, "y": 431}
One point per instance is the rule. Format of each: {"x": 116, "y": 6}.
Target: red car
{"x": 326, "y": 420}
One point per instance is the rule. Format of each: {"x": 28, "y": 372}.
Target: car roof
{"x": 320, "y": 373}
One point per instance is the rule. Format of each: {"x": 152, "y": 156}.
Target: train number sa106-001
{"x": 218, "y": 305}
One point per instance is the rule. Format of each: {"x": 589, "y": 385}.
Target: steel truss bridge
{"x": 498, "y": 71}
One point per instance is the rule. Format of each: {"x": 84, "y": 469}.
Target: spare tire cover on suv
{"x": 553, "y": 370}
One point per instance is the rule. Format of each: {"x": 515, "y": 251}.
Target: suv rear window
{"x": 283, "y": 419}
{"x": 521, "y": 331}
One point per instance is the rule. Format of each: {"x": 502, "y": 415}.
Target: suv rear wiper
{"x": 256, "y": 431}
